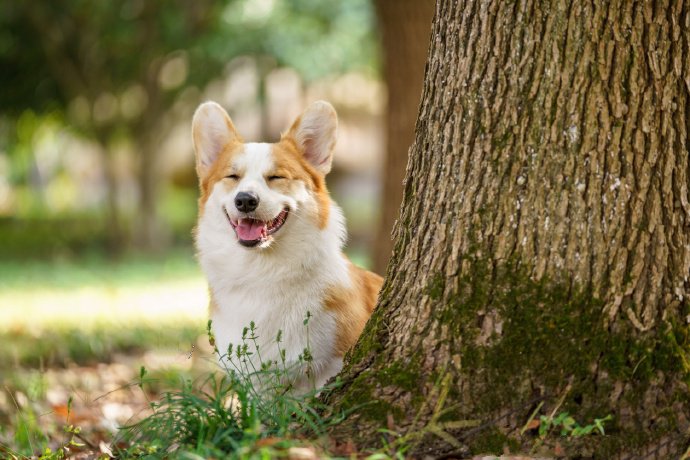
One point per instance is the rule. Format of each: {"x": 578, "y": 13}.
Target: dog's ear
{"x": 212, "y": 130}
{"x": 315, "y": 132}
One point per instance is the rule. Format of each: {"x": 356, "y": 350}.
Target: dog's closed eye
{"x": 272, "y": 178}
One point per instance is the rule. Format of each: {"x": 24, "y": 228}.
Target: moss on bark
{"x": 547, "y": 340}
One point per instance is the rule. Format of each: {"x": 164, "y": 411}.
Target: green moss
{"x": 548, "y": 321}
{"x": 371, "y": 341}
{"x": 359, "y": 399}
{"x": 552, "y": 333}
{"x": 493, "y": 442}
{"x": 405, "y": 375}
{"x": 501, "y": 141}
{"x": 436, "y": 286}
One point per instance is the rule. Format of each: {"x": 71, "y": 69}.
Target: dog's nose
{"x": 246, "y": 201}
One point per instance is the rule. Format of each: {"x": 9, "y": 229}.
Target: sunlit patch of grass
{"x": 96, "y": 269}
{"x": 84, "y": 311}
{"x": 63, "y": 319}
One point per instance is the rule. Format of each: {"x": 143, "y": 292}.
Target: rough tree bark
{"x": 405, "y": 27}
{"x": 542, "y": 253}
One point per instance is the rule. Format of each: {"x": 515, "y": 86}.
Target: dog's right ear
{"x": 314, "y": 132}
{"x": 212, "y": 131}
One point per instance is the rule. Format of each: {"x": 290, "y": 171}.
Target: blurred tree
{"x": 542, "y": 256}
{"x": 315, "y": 37}
{"x": 405, "y": 26}
{"x": 114, "y": 69}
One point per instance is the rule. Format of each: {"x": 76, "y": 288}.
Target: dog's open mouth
{"x": 252, "y": 232}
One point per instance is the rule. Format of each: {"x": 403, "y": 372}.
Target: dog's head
{"x": 256, "y": 191}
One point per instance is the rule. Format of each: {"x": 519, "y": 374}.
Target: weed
{"x": 64, "y": 450}
{"x": 569, "y": 427}
{"x": 248, "y": 411}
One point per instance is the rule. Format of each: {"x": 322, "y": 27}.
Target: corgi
{"x": 269, "y": 240}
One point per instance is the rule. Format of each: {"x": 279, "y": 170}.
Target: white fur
{"x": 274, "y": 286}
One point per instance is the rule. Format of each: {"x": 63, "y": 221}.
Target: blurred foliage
{"x": 111, "y": 53}
{"x": 315, "y": 37}
{"x": 52, "y": 52}
{"x": 47, "y": 238}
{"x": 96, "y": 270}
{"x": 113, "y": 71}
{"x": 34, "y": 233}
{"x": 121, "y": 73}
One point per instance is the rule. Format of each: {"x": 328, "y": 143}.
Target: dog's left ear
{"x": 315, "y": 133}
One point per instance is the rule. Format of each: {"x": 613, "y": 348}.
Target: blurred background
{"x": 97, "y": 184}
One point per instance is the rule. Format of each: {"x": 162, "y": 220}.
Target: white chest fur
{"x": 275, "y": 288}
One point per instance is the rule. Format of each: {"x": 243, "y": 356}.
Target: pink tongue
{"x": 249, "y": 229}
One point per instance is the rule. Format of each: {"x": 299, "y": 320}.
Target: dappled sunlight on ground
{"x": 75, "y": 336}
{"x": 49, "y": 295}
{"x": 156, "y": 301}
{"x": 36, "y": 405}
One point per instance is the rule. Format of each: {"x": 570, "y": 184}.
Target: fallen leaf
{"x": 533, "y": 424}
{"x": 302, "y": 453}
{"x": 267, "y": 442}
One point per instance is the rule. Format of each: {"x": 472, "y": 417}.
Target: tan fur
{"x": 353, "y": 306}
{"x": 289, "y": 159}
{"x": 217, "y": 171}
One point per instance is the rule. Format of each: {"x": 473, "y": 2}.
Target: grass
{"x": 112, "y": 356}
{"x": 76, "y": 332}
{"x": 251, "y": 409}
{"x": 81, "y": 328}
{"x": 84, "y": 311}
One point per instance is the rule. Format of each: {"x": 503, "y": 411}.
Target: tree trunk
{"x": 114, "y": 231}
{"x": 151, "y": 235}
{"x": 542, "y": 251}
{"x": 405, "y": 26}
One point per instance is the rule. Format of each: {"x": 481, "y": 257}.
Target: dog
{"x": 269, "y": 240}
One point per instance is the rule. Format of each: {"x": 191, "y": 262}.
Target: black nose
{"x": 246, "y": 201}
